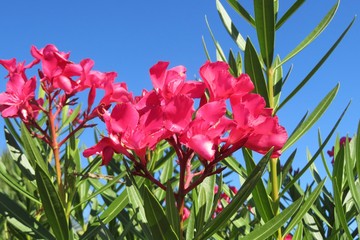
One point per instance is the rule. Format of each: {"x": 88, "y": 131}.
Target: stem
{"x": 56, "y": 151}
{"x": 273, "y": 161}
{"x": 275, "y": 189}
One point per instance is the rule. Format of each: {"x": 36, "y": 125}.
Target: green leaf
{"x": 265, "y": 29}
{"x": 13, "y": 132}
{"x": 52, "y": 204}
{"x": 229, "y": 26}
{"x": 11, "y": 209}
{"x": 254, "y": 70}
{"x": 18, "y": 156}
{"x": 299, "y": 232}
{"x": 69, "y": 119}
{"x": 310, "y": 162}
{"x": 101, "y": 190}
{"x": 340, "y": 210}
{"x": 157, "y": 221}
{"x": 289, "y": 13}
{"x": 314, "y": 34}
{"x": 259, "y": 193}
{"x": 220, "y": 220}
{"x": 357, "y": 150}
{"x": 13, "y": 183}
{"x": 136, "y": 201}
{"x": 241, "y": 11}
{"x": 172, "y": 213}
{"x": 219, "y": 51}
{"x": 269, "y": 228}
{"x": 115, "y": 208}
{"x": 305, "y": 206}
{"x": 32, "y": 150}
{"x": 316, "y": 67}
{"x": 278, "y": 82}
{"x": 208, "y": 185}
{"x": 312, "y": 118}
{"x": 349, "y": 168}
{"x": 191, "y": 224}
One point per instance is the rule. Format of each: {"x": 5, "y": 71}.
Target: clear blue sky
{"x": 130, "y": 36}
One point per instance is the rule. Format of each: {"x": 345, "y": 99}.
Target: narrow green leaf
{"x": 67, "y": 119}
{"x": 172, "y": 213}
{"x": 12, "y": 130}
{"x": 310, "y": 162}
{"x": 115, "y": 208}
{"x": 349, "y": 168}
{"x": 157, "y": 221}
{"x": 305, "y": 206}
{"x": 357, "y": 150}
{"x": 229, "y": 26}
{"x": 288, "y": 164}
{"x": 220, "y": 220}
{"x": 136, "y": 201}
{"x": 208, "y": 185}
{"x": 312, "y": 118}
{"x": 13, "y": 183}
{"x": 101, "y": 190}
{"x": 241, "y": 11}
{"x": 233, "y": 64}
{"x": 314, "y": 34}
{"x": 32, "y": 150}
{"x": 299, "y": 232}
{"x": 289, "y": 13}
{"x": 191, "y": 224}
{"x": 52, "y": 204}
{"x": 278, "y": 82}
{"x": 200, "y": 209}
{"x": 18, "y": 156}
{"x": 219, "y": 51}
{"x": 259, "y": 193}
{"x": 269, "y": 228}
{"x": 205, "y": 49}
{"x": 315, "y": 68}
{"x": 265, "y": 29}
{"x": 254, "y": 70}
{"x": 11, "y": 209}
{"x": 340, "y": 210}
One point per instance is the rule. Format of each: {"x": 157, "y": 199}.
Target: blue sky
{"x": 130, "y": 36}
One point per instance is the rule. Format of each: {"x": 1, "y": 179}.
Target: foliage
{"x": 163, "y": 170}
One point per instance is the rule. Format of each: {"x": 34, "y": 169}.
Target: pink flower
{"x": 172, "y": 82}
{"x": 221, "y": 83}
{"x": 205, "y": 131}
{"x": 57, "y": 69}
{"x": 16, "y": 101}
{"x": 256, "y": 128}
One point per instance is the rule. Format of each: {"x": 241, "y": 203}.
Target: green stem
{"x": 273, "y": 161}
{"x": 275, "y": 189}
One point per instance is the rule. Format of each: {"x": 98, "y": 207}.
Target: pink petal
{"x": 193, "y": 89}
{"x": 158, "y": 73}
{"x": 178, "y": 113}
{"x": 124, "y": 116}
{"x": 211, "y": 112}
{"x": 203, "y": 146}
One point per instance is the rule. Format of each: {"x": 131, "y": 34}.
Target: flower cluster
{"x": 168, "y": 113}
{"x": 60, "y": 80}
